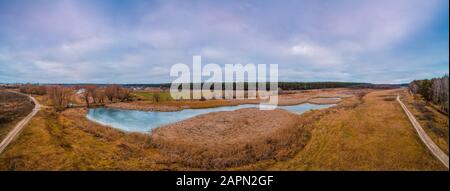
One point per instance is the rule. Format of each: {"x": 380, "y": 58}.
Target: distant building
{"x": 80, "y": 91}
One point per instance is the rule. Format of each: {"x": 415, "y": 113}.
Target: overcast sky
{"x": 378, "y": 41}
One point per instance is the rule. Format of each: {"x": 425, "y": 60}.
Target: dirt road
{"x": 18, "y": 128}
{"x": 424, "y": 137}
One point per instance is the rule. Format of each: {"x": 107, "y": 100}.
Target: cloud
{"x": 318, "y": 55}
{"x": 83, "y": 46}
{"x": 154, "y": 38}
{"x": 213, "y": 53}
{"x": 349, "y": 40}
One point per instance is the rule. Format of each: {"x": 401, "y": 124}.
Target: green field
{"x": 153, "y": 96}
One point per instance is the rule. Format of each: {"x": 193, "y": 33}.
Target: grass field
{"x": 60, "y": 142}
{"x": 153, "y": 96}
{"x": 373, "y": 134}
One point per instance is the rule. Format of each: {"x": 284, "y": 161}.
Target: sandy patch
{"x": 325, "y": 100}
{"x": 143, "y": 106}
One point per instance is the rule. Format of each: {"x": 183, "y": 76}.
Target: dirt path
{"x": 424, "y": 137}
{"x": 18, "y": 128}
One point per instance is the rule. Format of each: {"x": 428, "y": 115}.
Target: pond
{"x": 144, "y": 121}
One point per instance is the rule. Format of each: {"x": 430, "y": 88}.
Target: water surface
{"x": 144, "y": 121}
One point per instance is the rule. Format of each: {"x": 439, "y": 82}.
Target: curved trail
{"x": 437, "y": 152}
{"x": 18, "y": 128}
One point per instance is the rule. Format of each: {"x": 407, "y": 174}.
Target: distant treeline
{"x": 315, "y": 85}
{"x": 433, "y": 90}
{"x": 282, "y": 85}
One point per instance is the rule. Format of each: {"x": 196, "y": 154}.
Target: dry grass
{"x": 67, "y": 141}
{"x": 325, "y": 100}
{"x": 435, "y": 123}
{"x": 227, "y": 139}
{"x": 370, "y": 133}
{"x": 13, "y": 107}
{"x": 177, "y": 105}
{"x": 146, "y": 102}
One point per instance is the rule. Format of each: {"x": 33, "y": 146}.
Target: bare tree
{"x": 98, "y": 94}
{"x": 156, "y": 97}
{"x": 112, "y": 92}
{"x": 87, "y": 92}
{"x": 33, "y": 89}
{"x": 60, "y": 96}
{"x": 124, "y": 94}
{"x": 440, "y": 92}
{"x": 434, "y": 90}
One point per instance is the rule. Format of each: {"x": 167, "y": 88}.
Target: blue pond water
{"x": 144, "y": 121}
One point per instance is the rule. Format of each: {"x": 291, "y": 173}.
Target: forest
{"x": 434, "y": 90}
{"x": 282, "y": 85}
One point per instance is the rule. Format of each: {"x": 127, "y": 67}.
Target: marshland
{"x": 345, "y": 128}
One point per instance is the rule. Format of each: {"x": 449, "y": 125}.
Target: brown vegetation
{"x": 159, "y": 101}
{"x": 433, "y": 121}
{"x": 13, "y": 107}
{"x": 56, "y": 95}
{"x": 325, "y": 100}
{"x": 63, "y": 97}
{"x": 227, "y": 139}
{"x": 99, "y": 95}
{"x": 67, "y": 141}
{"x": 176, "y": 105}
{"x": 60, "y": 96}
{"x": 33, "y": 89}
{"x": 435, "y": 91}
{"x": 367, "y": 130}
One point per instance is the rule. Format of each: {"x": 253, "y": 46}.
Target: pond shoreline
{"x": 145, "y": 121}
{"x": 174, "y": 106}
